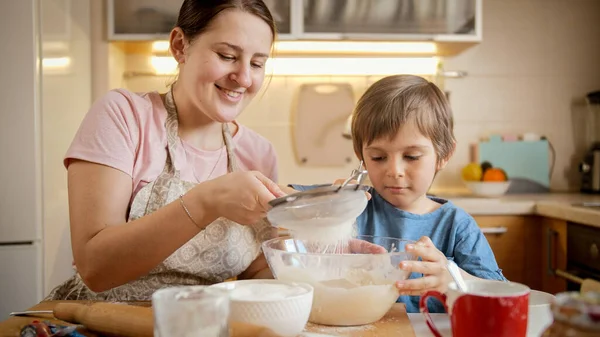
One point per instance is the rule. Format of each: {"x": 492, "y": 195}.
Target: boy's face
{"x": 402, "y": 168}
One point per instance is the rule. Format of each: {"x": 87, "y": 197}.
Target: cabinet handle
{"x": 551, "y": 271}
{"x": 494, "y": 230}
{"x": 568, "y": 276}
{"x": 550, "y": 233}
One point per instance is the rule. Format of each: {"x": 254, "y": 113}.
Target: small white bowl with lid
{"x": 281, "y": 306}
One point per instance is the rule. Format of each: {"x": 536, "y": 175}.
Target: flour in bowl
{"x": 265, "y": 291}
{"x": 358, "y": 297}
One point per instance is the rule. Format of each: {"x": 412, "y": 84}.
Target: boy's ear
{"x": 442, "y": 163}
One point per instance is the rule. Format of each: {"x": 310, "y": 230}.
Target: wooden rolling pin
{"x": 113, "y": 319}
{"x": 108, "y": 318}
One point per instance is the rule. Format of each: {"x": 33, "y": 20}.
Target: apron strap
{"x": 232, "y": 164}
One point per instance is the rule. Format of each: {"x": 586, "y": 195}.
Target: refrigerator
{"x": 20, "y": 158}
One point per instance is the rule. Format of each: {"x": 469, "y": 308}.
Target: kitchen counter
{"x": 395, "y": 323}
{"x": 12, "y": 326}
{"x": 553, "y": 205}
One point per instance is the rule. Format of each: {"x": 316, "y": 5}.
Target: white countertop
{"x": 441, "y": 321}
{"x": 554, "y": 205}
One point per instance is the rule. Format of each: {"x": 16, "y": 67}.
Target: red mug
{"x": 488, "y": 308}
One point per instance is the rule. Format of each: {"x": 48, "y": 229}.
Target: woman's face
{"x": 222, "y": 69}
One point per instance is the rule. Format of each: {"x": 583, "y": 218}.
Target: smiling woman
{"x": 168, "y": 189}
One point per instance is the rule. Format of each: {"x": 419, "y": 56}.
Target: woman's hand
{"x": 242, "y": 197}
{"x": 433, "y": 267}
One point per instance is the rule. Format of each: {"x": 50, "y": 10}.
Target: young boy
{"x": 402, "y": 128}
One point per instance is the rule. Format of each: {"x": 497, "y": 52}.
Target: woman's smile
{"x": 231, "y": 95}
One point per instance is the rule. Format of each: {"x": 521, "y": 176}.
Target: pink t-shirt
{"x": 127, "y": 131}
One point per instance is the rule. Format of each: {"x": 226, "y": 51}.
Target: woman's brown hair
{"x": 195, "y": 16}
{"x": 400, "y": 99}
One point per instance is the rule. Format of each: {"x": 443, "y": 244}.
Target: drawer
{"x": 583, "y": 246}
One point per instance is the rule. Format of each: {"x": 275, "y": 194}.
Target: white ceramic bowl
{"x": 488, "y": 189}
{"x": 281, "y": 306}
{"x": 540, "y": 315}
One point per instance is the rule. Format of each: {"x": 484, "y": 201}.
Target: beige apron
{"x": 222, "y": 250}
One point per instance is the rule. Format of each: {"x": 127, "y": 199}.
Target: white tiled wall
{"x": 537, "y": 58}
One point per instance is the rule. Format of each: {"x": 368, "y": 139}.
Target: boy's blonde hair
{"x": 400, "y": 99}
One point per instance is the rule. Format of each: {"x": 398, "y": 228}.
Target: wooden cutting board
{"x": 394, "y": 324}
{"x": 318, "y": 122}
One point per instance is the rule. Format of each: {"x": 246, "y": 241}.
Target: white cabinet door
{"x": 20, "y": 278}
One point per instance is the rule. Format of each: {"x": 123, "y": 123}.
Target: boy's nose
{"x": 396, "y": 170}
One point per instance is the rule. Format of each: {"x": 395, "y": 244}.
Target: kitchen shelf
{"x": 378, "y": 20}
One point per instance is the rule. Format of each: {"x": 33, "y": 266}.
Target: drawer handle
{"x": 568, "y": 276}
{"x": 550, "y": 270}
{"x": 494, "y": 230}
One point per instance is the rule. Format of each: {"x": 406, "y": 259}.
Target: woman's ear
{"x": 177, "y": 44}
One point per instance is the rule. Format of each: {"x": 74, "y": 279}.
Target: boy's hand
{"x": 433, "y": 267}
{"x": 358, "y": 246}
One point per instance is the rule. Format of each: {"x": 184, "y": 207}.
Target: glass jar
{"x": 575, "y": 315}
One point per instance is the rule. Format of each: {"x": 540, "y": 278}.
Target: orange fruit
{"x": 494, "y": 174}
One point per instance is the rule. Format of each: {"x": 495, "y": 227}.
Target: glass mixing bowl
{"x": 352, "y": 287}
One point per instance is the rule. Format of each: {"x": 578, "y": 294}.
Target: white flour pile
{"x": 265, "y": 291}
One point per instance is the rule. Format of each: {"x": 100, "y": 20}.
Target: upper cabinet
{"x": 391, "y": 19}
{"x": 383, "y": 20}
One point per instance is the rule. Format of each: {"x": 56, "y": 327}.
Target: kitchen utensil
{"x": 456, "y": 276}
{"x": 110, "y": 318}
{"x": 353, "y": 285}
{"x": 190, "y": 311}
{"x": 357, "y": 174}
{"x": 539, "y": 315}
{"x": 488, "y": 189}
{"x": 281, "y": 306}
{"x": 318, "y": 119}
{"x": 489, "y": 308}
{"x": 327, "y": 205}
{"x": 113, "y": 319}
{"x": 31, "y": 313}
{"x": 589, "y": 284}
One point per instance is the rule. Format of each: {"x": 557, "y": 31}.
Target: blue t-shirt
{"x": 452, "y": 230}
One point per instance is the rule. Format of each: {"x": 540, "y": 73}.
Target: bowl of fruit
{"x": 485, "y": 180}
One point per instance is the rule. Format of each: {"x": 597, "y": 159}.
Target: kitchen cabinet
{"x": 513, "y": 240}
{"x": 391, "y": 19}
{"x": 554, "y": 250}
{"x": 382, "y": 20}
{"x": 528, "y": 249}
{"x": 148, "y": 20}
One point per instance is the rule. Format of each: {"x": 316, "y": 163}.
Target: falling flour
{"x": 322, "y": 230}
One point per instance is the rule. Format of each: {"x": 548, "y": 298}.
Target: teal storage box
{"x": 525, "y": 162}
